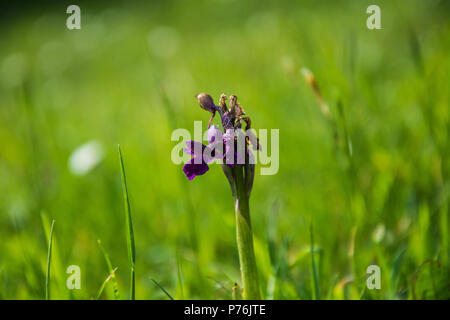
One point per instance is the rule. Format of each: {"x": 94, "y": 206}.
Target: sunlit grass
{"x": 129, "y": 229}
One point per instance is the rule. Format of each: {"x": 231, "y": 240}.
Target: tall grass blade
{"x": 111, "y": 270}
{"x": 59, "y": 274}
{"x": 314, "y": 268}
{"x": 49, "y": 261}
{"x": 162, "y": 289}
{"x": 112, "y": 275}
{"x": 129, "y": 228}
{"x": 180, "y": 276}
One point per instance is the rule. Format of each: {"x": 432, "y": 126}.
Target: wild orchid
{"x": 232, "y": 148}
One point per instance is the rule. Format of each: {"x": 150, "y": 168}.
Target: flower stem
{"x": 244, "y": 237}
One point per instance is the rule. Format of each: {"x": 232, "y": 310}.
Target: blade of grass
{"x": 112, "y": 275}
{"x": 58, "y": 275}
{"x": 162, "y": 289}
{"x": 180, "y": 276}
{"x": 129, "y": 227}
{"x": 314, "y": 268}
{"x": 110, "y": 269}
{"x": 49, "y": 258}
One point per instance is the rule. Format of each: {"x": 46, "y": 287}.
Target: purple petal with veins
{"x": 192, "y": 169}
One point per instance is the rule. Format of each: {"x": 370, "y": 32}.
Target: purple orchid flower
{"x": 223, "y": 146}
{"x": 218, "y": 142}
{"x": 202, "y": 155}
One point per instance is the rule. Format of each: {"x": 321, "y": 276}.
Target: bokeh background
{"x": 371, "y": 181}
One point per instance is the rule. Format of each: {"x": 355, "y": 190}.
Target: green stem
{"x": 244, "y": 237}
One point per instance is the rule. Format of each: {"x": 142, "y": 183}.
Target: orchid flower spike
{"x": 230, "y": 145}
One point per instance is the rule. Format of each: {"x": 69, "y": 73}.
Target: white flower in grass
{"x": 86, "y": 157}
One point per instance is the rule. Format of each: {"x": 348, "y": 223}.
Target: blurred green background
{"x": 373, "y": 181}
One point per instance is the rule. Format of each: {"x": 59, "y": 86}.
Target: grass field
{"x": 370, "y": 180}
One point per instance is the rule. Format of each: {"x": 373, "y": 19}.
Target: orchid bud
{"x": 233, "y": 101}
{"x": 206, "y": 102}
{"x": 223, "y": 102}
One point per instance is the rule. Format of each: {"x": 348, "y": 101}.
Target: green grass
{"x": 373, "y": 176}
{"x": 162, "y": 289}
{"x": 129, "y": 229}
{"x": 112, "y": 272}
{"x": 49, "y": 261}
{"x": 102, "y": 287}
{"x": 315, "y": 272}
